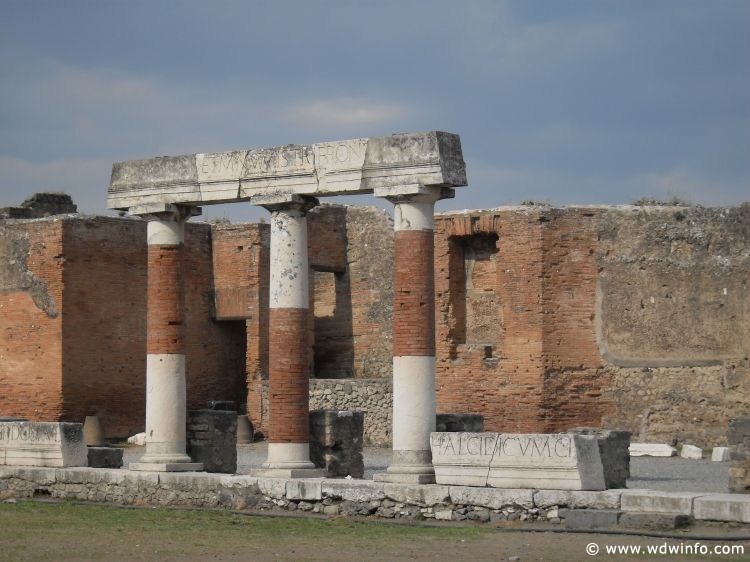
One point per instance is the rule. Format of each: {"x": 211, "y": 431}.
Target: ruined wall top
{"x": 380, "y": 165}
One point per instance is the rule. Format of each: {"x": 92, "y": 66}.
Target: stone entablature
{"x": 321, "y": 169}
{"x": 50, "y": 444}
{"x": 560, "y": 461}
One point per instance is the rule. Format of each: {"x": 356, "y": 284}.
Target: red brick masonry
{"x": 288, "y": 378}
{"x": 166, "y": 302}
{"x": 414, "y": 294}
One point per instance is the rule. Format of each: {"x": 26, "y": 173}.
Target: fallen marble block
{"x": 138, "y": 439}
{"x": 652, "y": 450}
{"x": 561, "y": 461}
{"x": 720, "y": 454}
{"x": 691, "y": 452}
{"x": 52, "y": 444}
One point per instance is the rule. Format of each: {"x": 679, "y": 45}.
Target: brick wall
{"x": 31, "y": 306}
{"x": 91, "y": 357}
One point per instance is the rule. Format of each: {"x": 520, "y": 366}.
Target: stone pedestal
{"x": 413, "y": 336}
{"x": 212, "y": 439}
{"x": 92, "y": 432}
{"x": 105, "y": 457}
{"x": 165, "y": 343}
{"x": 42, "y": 444}
{"x": 614, "y": 445}
{"x": 336, "y": 442}
{"x": 289, "y": 368}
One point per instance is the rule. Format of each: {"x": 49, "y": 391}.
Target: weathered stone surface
{"x": 360, "y": 490}
{"x": 652, "y": 450}
{"x": 578, "y": 499}
{"x": 40, "y": 205}
{"x": 465, "y": 423}
{"x": 720, "y": 454}
{"x": 562, "y": 461}
{"x": 332, "y": 168}
{"x": 105, "y": 457}
{"x": 212, "y": 439}
{"x": 655, "y": 521}
{"x": 336, "y": 442}
{"x": 738, "y": 438}
{"x": 581, "y": 519}
{"x": 304, "y": 490}
{"x": 722, "y": 507}
{"x": 42, "y": 444}
{"x": 492, "y": 498}
{"x": 691, "y": 452}
{"x": 652, "y": 501}
{"x": 426, "y": 494}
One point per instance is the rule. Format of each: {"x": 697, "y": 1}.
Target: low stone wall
{"x": 374, "y": 397}
{"x": 358, "y": 497}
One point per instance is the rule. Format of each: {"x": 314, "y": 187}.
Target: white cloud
{"x": 347, "y": 111}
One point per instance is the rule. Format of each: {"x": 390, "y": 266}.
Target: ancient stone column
{"x": 289, "y": 366}
{"x": 413, "y": 338}
{"x": 165, "y": 343}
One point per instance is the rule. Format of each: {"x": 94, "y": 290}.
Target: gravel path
{"x": 667, "y": 474}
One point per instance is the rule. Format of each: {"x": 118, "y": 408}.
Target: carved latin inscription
{"x": 42, "y": 444}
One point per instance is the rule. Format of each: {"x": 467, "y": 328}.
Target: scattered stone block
{"x": 559, "y": 461}
{"x": 589, "y": 518}
{"x": 54, "y": 444}
{"x": 652, "y": 501}
{"x": 105, "y": 457}
{"x": 651, "y": 450}
{"x": 212, "y": 439}
{"x": 691, "y": 452}
{"x": 720, "y": 454}
{"x": 138, "y": 439}
{"x": 464, "y": 423}
{"x": 336, "y": 442}
{"x": 614, "y": 447}
{"x": 722, "y": 507}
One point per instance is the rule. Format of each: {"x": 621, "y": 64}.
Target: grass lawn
{"x": 69, "y": 531}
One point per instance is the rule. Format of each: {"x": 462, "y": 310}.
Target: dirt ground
{"x": 68, "y": 531}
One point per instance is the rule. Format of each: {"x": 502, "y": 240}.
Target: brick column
{"x": 165, "y": 343}
{"x": 413, "y": 338}
{"x": 289, "y": 366}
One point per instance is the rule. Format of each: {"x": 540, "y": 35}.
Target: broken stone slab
{"x": 613, "y": 450}
{"x": 651, "y": 450}
{"x": 51, "y": 444}
{"x": 691, "y": 452}
{"x": 720, "y": 454}
{"x": 381, "y": 164}
{"x": 553, "y": 461}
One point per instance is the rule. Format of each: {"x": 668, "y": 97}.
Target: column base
{"x": 166, "y": 466}
{"x": 289, "y": 472}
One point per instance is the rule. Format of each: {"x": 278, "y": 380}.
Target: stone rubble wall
{"x": 357, "y": 497}
{"x": 374, "y": 397}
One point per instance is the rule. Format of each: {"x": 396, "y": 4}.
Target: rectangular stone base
{"x": 105, "y": 457}
{"x": 289, "y": 472}
{"x": 404, "y": 478}
{"x": 166, "y": 466}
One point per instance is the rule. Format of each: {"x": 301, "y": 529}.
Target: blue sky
{"x": 566, "y": 101}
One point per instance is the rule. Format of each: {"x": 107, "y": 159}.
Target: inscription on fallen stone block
{"x": 504, "y": 460}
{"x": 49, "y": 444}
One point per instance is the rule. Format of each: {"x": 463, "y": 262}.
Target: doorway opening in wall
{"x": 333, "y": 353}
{"x": 475, "y": 321}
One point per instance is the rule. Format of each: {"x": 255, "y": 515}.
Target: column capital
{"x": 415, "y": 193}
{"x": 286, "y": 201}
{"x": 165, "y": 212}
